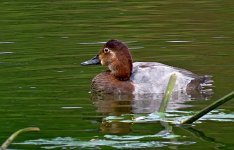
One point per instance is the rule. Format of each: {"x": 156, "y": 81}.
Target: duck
{"x": 124, "y": 76}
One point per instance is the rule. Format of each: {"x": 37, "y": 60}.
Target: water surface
{"x": 42, "y": 84}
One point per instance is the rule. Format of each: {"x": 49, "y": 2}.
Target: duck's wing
{"x": 163, "y": 67}
{"x": 153, "y": 77}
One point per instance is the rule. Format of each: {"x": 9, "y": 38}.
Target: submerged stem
{"x": 167, "y": 94}
{"x": 209, "y": 108}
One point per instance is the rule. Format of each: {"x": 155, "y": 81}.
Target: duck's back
{"x": 152, "y": 77}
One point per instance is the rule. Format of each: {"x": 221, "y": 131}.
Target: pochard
{"x": 125, "y": 77}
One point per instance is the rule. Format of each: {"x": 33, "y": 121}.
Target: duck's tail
{"x": 202, "y": 85}
{"x": 206, "y": 81}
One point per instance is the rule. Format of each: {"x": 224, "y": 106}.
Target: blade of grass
{"x": 209, "y": 108}
{"x": 15, "y": 134}
{"x": 167, "y": 94}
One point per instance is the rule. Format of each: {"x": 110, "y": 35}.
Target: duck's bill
{"x": 94, "y": 61}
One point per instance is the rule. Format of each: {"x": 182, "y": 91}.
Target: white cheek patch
{"x": 113, "y": 56}
{"x": 112, "y": 59}
{"x": 102, "y": 62}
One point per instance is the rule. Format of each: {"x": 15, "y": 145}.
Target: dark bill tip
{"x": 94, "y": 61}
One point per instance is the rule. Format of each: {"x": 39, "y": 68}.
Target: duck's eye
{"x": 106, "y": 50}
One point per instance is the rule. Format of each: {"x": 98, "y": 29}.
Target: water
{"x": 42, "y": 84}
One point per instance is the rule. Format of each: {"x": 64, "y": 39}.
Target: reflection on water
{"x": 112, "y": 104}
{"x": 116, "y": 131}
{"x": 70, "y": 143}
{"x": 118, "y": 107}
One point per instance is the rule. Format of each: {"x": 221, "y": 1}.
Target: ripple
{"x": 174, "y": 117}
{"x": 2, "y": 53}
{"x": 91, "y": 43}
{"x": 98, "y": 43}
{"x": 68, "y": 142}
{"x": 71, "y": 107}
{"x": 219, "y": 37}
{"x": 134, "y": 48}
{"x": 7, "y": 42}
{"x": 178, "y": 41}
{"x": 165, "y": 135}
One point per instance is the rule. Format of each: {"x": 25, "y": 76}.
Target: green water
{"x": 42, "y": 84}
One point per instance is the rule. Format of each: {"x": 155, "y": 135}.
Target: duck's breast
{"x": 106, "y": 83}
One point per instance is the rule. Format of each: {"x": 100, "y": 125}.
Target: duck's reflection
{"x": 115, "y": 127}
{"x": 116, "y": 105}
{"x": 112, "y": 104}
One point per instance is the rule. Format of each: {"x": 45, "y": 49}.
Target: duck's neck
{"x": 121, "y": 70}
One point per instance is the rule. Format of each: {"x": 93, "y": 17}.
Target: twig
{"x": 15, "y": 134}
{"x": 209, "y": 108}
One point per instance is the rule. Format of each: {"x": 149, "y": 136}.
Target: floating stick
{"x": 15, "y": 134}
{"x": 209, "y": 108}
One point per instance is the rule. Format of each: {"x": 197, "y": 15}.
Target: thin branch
{"x": 15, "y": 134}
{"x": 209, "y": 108}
